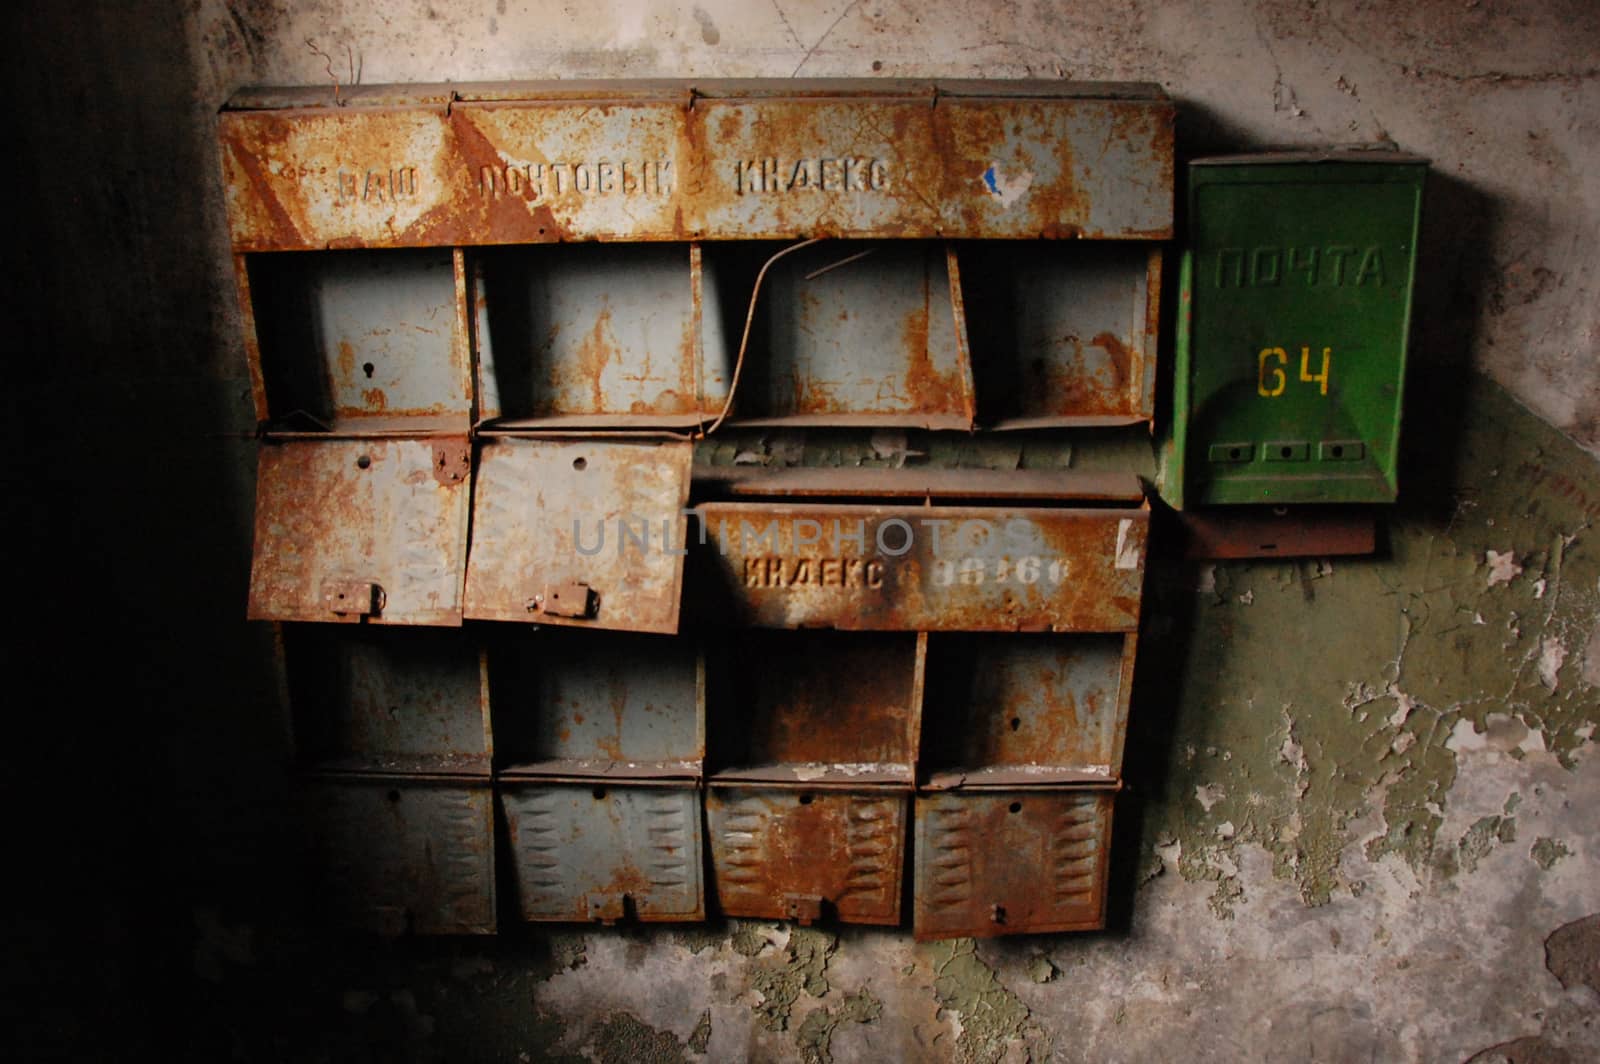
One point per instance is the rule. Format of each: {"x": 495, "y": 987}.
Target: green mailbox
{"x": 1295, "y": 301}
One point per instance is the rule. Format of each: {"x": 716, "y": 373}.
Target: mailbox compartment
{"x": 585, "y": 533}
{"x": 924, "y": 568}
{"x": 361, "y": 530}
{"x": 571, "y": 703}
{"x": 575, "y": 336}
{"x": 403, "y": 854}
{"x": 819, "y": 707}
{"x": 1025, "y": 709}
{"x": 1011, "y": 862}
{"x": 808, "y": 853}
{"x": 387, "y": 700}
{"x": 599, "y": 850}
{"x": 358, "y": 342}
{"x": 1292, "y": 328}
{"x": 1063, "y": 333}
{"x": 852, "y": 333}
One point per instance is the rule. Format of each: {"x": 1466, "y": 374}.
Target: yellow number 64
{"x": 1263, "y": 372}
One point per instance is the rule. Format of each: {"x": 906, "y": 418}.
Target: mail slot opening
{"x": 386, "y": 700}
{"x": 590, "y": 335}
{"x": 354, "y": 339}
{"x": 1029, "y": 708}
{"x": 1061, "y": 331}
{"x": 843, "y": 332}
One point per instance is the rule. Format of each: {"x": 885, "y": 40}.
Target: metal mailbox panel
{"x": 1063, "y": 334}
{"x": 352, "y": 337}
{"x": 813, "y": 706}
{"x": 588, "y": 533}
{"x": 934, "y": 568}
{"x": 1293, "y": 329}
{"x": 361, "y": 530}
{"x": 572, "y": 703}
{"x": 796, "y": 854}
{"x": 585, "y": 852}
{"x": 1012, "y": 862}
{"x": 1026, "y": 709}
{"x": 592, "y": 335}
{"x": 389, "y": 700}
{"x": 864, "y": 159}
{"x": 400, "y": 856}
{"x": 849, "y": 334}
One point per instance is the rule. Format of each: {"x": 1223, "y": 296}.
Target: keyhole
{"x": 805, "y": 799}
{"x": 1016, "y": 807}
{"x": 599, "y": 792}
{"x": 1016, "y": 722}
{"x": 580, "y": 464}
{"x": 364, "y": 462}
{"x": 367, "y": 368}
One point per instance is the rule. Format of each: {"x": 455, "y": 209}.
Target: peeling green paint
{"x": 623, "y": 1038}
{"x": 803, "y": 967}
{"x": 815, "y": 1035}
{"x": 1313, "y": 694}
{"x": 992, "y": 1018}
{"x": 1546, "y": 852}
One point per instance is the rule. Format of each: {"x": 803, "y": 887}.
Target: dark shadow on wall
{"x": 146, "y": 787}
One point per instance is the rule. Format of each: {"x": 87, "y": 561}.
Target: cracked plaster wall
{"x": 1361, "y": 822}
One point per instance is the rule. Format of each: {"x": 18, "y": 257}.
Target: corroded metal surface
{"x": 391, "y": 700}
{"x": 398, "y": 856}
{"x": 924, "y": 568}
{"x": 1063, "y": 334}
{"x": 354, "y": 338}
{"x": 605, "y": 852}
{"x": 607, "y": 514}
{"x": 1026, "y": 709}
{"x": 595, "y": 335}
{"x": 803, "y": 854}
{"x": 812, "y": 706}
{"x": 574, "y": 703}
{"x": 355, "y": 513}
{"x": 1011, "y": 862}
{"x": 867, "y": 159}
{"x": 921, "y": 482}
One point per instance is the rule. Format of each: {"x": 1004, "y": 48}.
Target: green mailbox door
{"x": 1295, "y": 304}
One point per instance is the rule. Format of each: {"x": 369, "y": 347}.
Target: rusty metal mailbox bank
{"x": 487, "y": 324}
{"x": 1294, "y": 310}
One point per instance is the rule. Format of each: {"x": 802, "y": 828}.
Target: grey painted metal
{"x": 405, "y": 855}
{"x": 606, "y": 515}
{"x": 849, "y": 332}
{"x": 352, "y": 337}
{"x": 387, "y": 700}
{"x": 801, "y": 854}
{"x": 1011, "y": 862}
{"x": 337, "y": 514}
{"x": 1030, "y": 708}
{"x": 576, "y": 703}
{"x": 573, "y": 335}
{"x": 603, "y": 852}
{"x": 1062, "y": 333}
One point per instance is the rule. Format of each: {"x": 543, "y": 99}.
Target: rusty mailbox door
{"x": 586, "y": 533}
{"x": 361, "y": 530}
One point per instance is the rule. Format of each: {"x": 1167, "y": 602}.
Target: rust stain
{"x": 284, "y": 231}
{"x": 375, "y": 399}
{"x": 595, "y": 352}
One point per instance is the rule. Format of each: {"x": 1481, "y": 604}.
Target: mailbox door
{"x": 786, "y": 853}
{"x": 1011, "y": 862}
{"x": 588, "y": 533}
{"x": 598, "y": 851}
{"x": 361, "y": 530}
{"x": 403, "y": 855}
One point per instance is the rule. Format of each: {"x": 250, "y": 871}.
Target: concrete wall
{"x": 1363, "y": 792}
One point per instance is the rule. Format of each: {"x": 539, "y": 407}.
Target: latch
{"x": 804, "y": 909}
{"x": 566, "y": 600}
{"x": 605, "y": 908}
{"x": 351, "y": 600}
